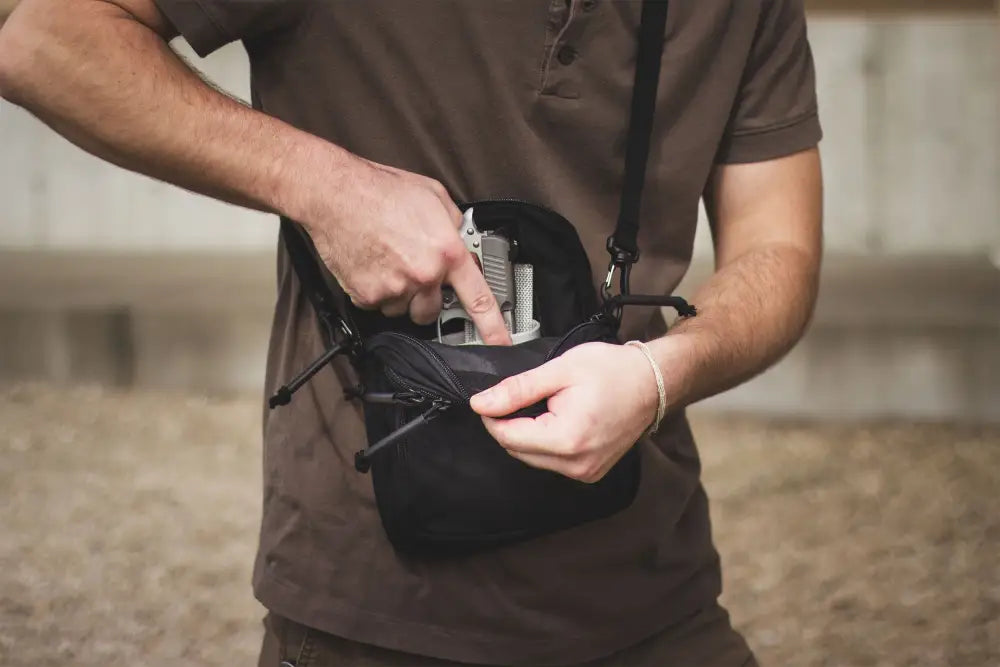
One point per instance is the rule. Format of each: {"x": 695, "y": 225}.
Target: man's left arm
{"x": 766, "y": 220}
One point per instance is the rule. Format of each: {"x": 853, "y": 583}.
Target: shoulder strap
{"x": 623, "y": 245}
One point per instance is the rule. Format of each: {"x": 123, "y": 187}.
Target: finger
{"x": 441, "y": 192}
{"x": 520, "y": 391}
{"x": 578, "y": 468}
{"x": 426, "y": 305}
{"x": 396, "y": 306}
{"x": 478, "y": 300}
{"x": 362, "y": 305}
{"x": 453, "y": 211}
{"x": 544, "y": 434}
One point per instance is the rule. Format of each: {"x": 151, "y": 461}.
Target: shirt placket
{"x": 567, "y": 20}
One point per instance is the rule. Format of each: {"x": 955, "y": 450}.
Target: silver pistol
{"x": 511, "y": 284}
{"x": 493, "y": 254}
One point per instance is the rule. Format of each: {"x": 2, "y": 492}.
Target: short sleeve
{"x": 775, "y": 112}
{"x": 208, "y": 25}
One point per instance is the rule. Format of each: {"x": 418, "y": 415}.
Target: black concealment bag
{"x": 442, "y": 484}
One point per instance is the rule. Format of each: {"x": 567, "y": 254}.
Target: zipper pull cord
{"x": 284, "y": 394}
{"x": 362, "y": 459}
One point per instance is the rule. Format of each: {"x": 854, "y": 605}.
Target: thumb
{"x": 520, "y": 391}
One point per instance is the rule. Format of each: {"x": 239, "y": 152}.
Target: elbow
{"x": 20, "y": 52}
{"x": 11, "y": 69}
{"x": 5, "y": 68}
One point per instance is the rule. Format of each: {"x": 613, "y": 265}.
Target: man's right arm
{"x": 101, "y": 73}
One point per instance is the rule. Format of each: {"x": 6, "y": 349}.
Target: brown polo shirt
{"x": 525, "y": 99}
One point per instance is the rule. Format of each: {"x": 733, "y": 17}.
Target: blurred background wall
{"x": 107, "y": 277}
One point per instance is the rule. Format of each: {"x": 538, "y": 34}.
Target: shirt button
{"x": 566, "y": 55}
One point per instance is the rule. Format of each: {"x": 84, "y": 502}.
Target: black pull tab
{"x": 362, "y": 459}
{"x": 284, "y": 394}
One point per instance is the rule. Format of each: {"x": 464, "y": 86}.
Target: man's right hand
{"x": 101, "y": 73}
{"x": 390, "y": 238}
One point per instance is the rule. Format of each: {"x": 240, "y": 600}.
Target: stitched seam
{"x": 783, "y": 125}
{"x": 305, "y": 650}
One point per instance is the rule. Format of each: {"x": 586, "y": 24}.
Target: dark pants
{"x": 705, "y": 640}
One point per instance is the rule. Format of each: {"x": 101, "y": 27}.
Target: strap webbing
{"x": 652, "y": 28}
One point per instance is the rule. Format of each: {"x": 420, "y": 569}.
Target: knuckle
{"x": 581, "y": 471}
{"x": 393, "y": 286}
{"x": 393, "y": 310}
{"x": 364, "y": 298}
{"x": 576, "y": 444}
{"x": 451, "y": 250}
{"x": 437, "y": 187}
{"x": 480, "y": 303}
{"x": 424, "y": 274}
{"x": 370, "y": 296}
{"x": 423, "y": 316}
{"x": 515, "y": 387}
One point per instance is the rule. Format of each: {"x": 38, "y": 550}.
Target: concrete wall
{"x": 910, "y": 108}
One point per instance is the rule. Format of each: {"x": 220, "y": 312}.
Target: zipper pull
{"x": 362, "y": 459}
{"x": 410, "y": 398}
{"x": 284, "y": 394}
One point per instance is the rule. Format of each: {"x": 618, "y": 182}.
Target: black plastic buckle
{"x": 620, "y": 255}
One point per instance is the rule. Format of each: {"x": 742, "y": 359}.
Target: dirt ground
{"x": 129, "y": 523}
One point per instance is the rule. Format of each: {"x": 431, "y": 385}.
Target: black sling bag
{"x": 442, "y": 484}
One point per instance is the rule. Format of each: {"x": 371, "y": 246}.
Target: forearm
{"x": 111, "y": 84}
{"x": 750, "y": 313}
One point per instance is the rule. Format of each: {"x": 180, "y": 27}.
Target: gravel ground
{"x": 130, "y": 522}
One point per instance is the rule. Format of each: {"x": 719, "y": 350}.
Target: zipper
{"x": 397, "y": 380}
{"x": 591, "y": 321}
{"x": 404, "y": 397}
{"x": 431, "y": 356}
{"x": 362, "y": 458}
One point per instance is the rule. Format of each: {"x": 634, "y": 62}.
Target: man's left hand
{"x": 601, "y": 398}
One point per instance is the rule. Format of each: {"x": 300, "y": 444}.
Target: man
{"x": 369, "y": 120}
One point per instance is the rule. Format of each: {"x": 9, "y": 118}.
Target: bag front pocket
{"x": 448, "y": 486}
